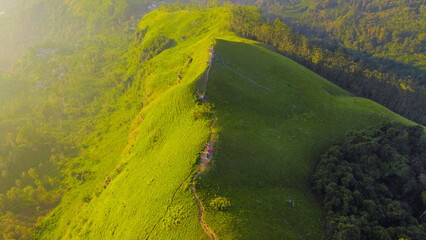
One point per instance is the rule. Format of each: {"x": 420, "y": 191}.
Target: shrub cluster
{"x": 220, "y": 203}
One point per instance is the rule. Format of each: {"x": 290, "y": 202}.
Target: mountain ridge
{"x": 139, "y": 172}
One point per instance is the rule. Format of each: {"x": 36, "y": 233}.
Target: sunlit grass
{"x": 139, "y": 161}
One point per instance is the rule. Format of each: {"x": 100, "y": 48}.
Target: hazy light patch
{"x": 2, "y": 12}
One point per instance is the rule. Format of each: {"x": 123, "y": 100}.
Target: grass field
{"x": 270, "y": 140}
{"x": 274, "y": 119}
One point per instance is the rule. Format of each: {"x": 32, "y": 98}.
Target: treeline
{"x": 373, "y": 184}
{"x": 402, "y": 95}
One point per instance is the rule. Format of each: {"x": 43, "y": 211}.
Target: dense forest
{"x": 373, "y": 184}
{"x": 402, "y": 95}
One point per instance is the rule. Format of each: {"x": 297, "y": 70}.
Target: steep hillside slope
{"x": 274, "y": 119}
{"x": 137, "y": 171}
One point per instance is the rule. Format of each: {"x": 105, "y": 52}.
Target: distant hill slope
{"x": 387, "y": 30}
{"x": 274, "y": 119}
{"x": 26, "y": 23}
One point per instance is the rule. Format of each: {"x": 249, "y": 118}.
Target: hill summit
{"x": 215, "y": 137}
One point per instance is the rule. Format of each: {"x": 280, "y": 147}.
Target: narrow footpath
{"x": 205, "y": 157}
{"x": 202, "y": 167}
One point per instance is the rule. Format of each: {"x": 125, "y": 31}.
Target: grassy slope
{"x": 155, "y": 148}
{"x": 150, "y": 153}
{"x": 259, "y": 165}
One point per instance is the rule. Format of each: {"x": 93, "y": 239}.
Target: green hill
{"x": 273, "y": 120}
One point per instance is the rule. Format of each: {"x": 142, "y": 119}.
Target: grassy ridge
{"x": 141, "y": 157}
{"x": 270, "y": 140}
{"x": 139, "y": 161}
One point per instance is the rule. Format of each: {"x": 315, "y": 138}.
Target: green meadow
{"x": 274, "y": 120}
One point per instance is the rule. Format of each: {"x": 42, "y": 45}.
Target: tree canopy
{"x": 373, "y": 184}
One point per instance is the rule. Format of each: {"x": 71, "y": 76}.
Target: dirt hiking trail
{"x": 205, "y": 156}
{"x": 202, "y": 167}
